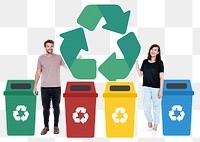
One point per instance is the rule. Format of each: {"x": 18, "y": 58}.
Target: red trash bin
{"x": 80, "y": 106}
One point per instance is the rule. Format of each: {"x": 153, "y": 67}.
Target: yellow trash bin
{"x": 120, "y": 104}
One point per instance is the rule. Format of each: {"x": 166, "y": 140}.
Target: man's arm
{"x": 37, "y": 77}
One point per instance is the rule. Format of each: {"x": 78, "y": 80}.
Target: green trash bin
{"x": 20, "y": 107}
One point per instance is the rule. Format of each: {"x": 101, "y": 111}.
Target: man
{"x": 49, "y": 67}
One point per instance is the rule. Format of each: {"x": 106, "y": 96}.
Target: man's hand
{"x": 35, "y": 92}
{"x": 80, "y": 56}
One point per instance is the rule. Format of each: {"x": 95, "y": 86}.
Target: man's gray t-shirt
{"x": 50, "y": 70}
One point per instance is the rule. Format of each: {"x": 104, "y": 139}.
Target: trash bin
{"x": 20, "y": 107}
{"x": 177, "y": 107}
{"x": 120, "y": 104}
{"x": 80, "y": 105}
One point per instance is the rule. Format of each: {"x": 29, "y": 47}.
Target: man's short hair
{"x": 48, "y": 41}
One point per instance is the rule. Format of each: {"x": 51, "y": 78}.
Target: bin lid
{"x": 19, "y": 87}
{"x": 177, "y": 87}
{"x": 120, "y": 89}
{"x": 80, "y": 89}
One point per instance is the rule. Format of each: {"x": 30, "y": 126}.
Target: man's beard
{"x": 50, "y": 51}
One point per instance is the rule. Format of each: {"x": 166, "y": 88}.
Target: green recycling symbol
{"x": 74, "y": 41}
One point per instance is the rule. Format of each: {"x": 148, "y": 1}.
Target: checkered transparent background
{"x": 173, "y": 24}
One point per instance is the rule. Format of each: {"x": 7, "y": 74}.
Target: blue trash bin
{"x": 177, "y": 107}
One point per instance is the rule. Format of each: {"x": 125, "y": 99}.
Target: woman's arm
{"x": 161, "y": 84}
{"x": 140, "y": 73}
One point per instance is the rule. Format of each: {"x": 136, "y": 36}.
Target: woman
{"x": 152, "y": 70}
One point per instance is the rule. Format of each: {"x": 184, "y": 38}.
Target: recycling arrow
{"x": 83, "y": 119}
{"x": 114, "y": 68}
{"x": 116, "y": 19}
{"x": 25, "y": 116}
{"x": 115, "y": 115}
{"x": 16, "y": 113}
{"x": 73, "y": 42}
{"x": 179, "y": 117}
{"x": 21, "y": 107}
{"x": 172, "y": 116}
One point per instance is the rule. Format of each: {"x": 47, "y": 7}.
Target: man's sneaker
{"x": 45, "y": 130}
{"x": 56, "y": 130}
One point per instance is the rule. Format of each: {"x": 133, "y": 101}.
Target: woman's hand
{"x": 159, "y": 94}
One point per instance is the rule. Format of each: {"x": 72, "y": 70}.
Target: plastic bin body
{"x": 177, "y": 107}
{"x": 80, "y": 105}
{"x": 120, "y": 105}
{"x": 20, "y": 107}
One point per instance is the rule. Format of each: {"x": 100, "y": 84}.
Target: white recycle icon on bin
{"x": 24, "y": 117}
{"x": 80, "y": 120}
{"x": 180, "y": 117}
{"x": 115, "y": 115}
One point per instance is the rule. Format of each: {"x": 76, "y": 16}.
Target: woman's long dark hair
{"x": 158, "y": 57}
